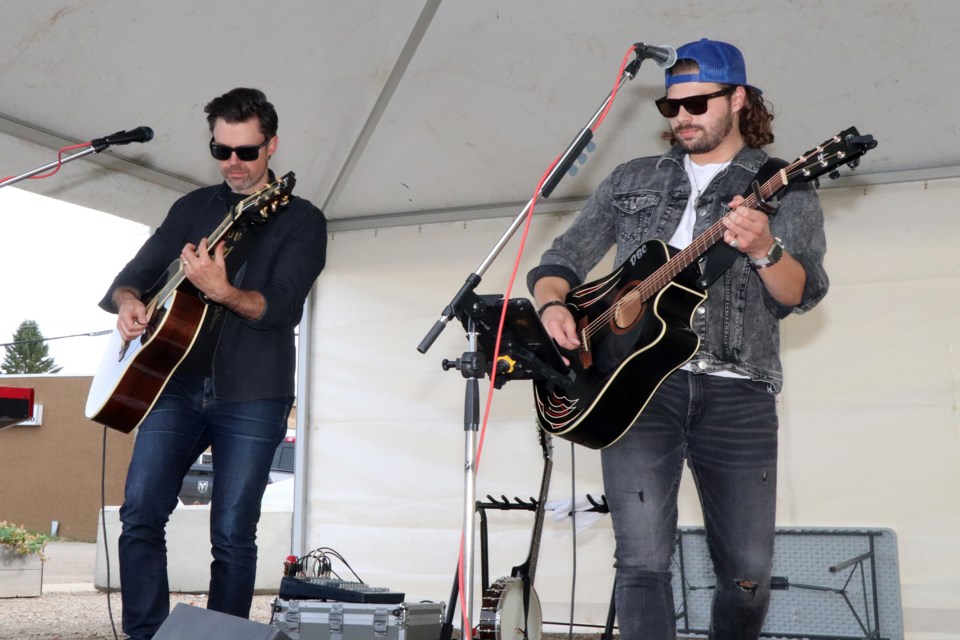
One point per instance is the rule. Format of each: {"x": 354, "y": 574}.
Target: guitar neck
{"x": 266, "y": 201}
{"x": 529, "y": 568}
{"x": 175, "y": 275}
{"x": 687, "y": 256}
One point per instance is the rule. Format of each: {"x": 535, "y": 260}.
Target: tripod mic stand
{"x": 472, "y": 363}
{"x": 528, "y": 352}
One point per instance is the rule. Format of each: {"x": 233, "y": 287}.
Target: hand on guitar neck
{"x": 748, "y": 231}
{"x": 208, "y": 273}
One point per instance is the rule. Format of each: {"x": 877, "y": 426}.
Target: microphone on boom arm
{"x": 665, "y": 56}
{"x": 140, "y": 134}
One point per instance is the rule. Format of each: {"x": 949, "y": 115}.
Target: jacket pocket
{"x": 636, "y": 210}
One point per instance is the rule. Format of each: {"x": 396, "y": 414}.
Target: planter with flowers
{"x": 21, "y": 561}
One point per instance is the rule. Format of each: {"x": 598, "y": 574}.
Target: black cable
{"x": 75, "y": 335}
{"x": 319, "y": 557}
{"x": 573, "y": 525}
{"x": 103, "y": 524}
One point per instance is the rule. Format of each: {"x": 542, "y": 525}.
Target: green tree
{"x": 28, "y": 353}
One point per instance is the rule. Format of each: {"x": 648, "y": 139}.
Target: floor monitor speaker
{"x": 196, "y": 623}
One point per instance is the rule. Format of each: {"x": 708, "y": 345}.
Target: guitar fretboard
{"x": 266, "y": 200}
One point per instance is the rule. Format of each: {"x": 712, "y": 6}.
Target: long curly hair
{"x": 756, "y": 120}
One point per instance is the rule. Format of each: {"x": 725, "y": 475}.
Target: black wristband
{"x": 547, "y": 305}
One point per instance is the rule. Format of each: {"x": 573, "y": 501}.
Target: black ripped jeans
{"x": 726, "y": 430}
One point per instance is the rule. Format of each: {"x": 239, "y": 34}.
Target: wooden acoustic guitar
{"x": 634, "y": 325}
{"x": 132, "y": 374}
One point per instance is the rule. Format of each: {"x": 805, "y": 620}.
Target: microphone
{"x": 665, "y": 56}
{"x": 140, "y": 134}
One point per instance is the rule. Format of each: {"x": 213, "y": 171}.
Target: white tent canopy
{"x": 415, "y": 108}
{"x": 409, "y": 121}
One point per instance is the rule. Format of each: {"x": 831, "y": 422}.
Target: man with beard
{"x": 717, "y": 412}
{"x": 234, "y": 389}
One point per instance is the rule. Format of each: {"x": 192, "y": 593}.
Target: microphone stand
{"x": 472, "y": 363}
{"x": 47, "y": 167}
{"x": 96, "y": 146}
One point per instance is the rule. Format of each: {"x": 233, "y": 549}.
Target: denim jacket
{"x": 738, "y": 324}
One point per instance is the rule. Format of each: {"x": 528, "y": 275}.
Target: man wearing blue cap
{"x": 717, "y": 412}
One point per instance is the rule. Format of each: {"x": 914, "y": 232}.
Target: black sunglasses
{"x": 247, "y": 153}
{"x": 695, "y": 105}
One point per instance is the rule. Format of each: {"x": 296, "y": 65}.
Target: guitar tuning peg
{"x": 833, "y": 175}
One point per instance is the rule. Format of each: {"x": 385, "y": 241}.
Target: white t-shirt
{"x": 700, "y": 177}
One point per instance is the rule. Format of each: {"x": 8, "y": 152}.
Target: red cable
{"x": 468, "y": 632}
{"x": 59, "y": 161}
{"x": 493, "y": 374}
{"x": 613, "y": 93}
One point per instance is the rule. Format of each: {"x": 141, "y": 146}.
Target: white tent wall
{"x": 869, "y": 431}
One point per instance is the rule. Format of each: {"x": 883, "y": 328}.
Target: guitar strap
{"x": 244, "y": 236}
{"x": 720, "y": 256}
{"x": 239, "y": 243}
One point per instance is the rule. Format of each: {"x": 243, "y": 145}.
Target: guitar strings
{"x": 262, "y": 197}
{"x": 670, "y": 269}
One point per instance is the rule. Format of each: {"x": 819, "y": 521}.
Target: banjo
{"x": 510, "y": 608}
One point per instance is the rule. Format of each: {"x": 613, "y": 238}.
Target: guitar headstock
{"x": 258, "y": 207}
{"x": 845, "y": 148}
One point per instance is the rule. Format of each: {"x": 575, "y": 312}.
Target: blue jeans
{"x": 726, "y": 430}
{"x": 243, "y": 436}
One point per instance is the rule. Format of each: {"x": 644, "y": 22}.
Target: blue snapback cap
{"x": 718, "y": 61}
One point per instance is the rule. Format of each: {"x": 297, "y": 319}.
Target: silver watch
{"x": 773, "y": 255}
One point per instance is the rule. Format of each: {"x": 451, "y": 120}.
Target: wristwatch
{"x": 773, "y": 255}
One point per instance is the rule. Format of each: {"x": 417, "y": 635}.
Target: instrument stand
{"x": 524, "y": 570}
{"x": 472, "y": 362}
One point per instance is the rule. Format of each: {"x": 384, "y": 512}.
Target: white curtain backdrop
{"x": 869, "y": 431}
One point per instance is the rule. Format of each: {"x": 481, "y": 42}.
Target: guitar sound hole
{"x": 628, "y": 309}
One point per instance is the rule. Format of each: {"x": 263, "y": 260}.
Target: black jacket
{"x": 253, "y": 358}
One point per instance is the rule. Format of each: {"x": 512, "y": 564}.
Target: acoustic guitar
{"x": 132, "y": 374}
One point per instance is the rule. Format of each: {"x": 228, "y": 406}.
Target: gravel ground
{"x": 70, "y": 607}
{"x": 83, "y": 615}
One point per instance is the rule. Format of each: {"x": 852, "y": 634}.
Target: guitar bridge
{"x": 586, "y": 356}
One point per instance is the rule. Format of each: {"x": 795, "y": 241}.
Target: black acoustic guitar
{"x": 634, "y": 325}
